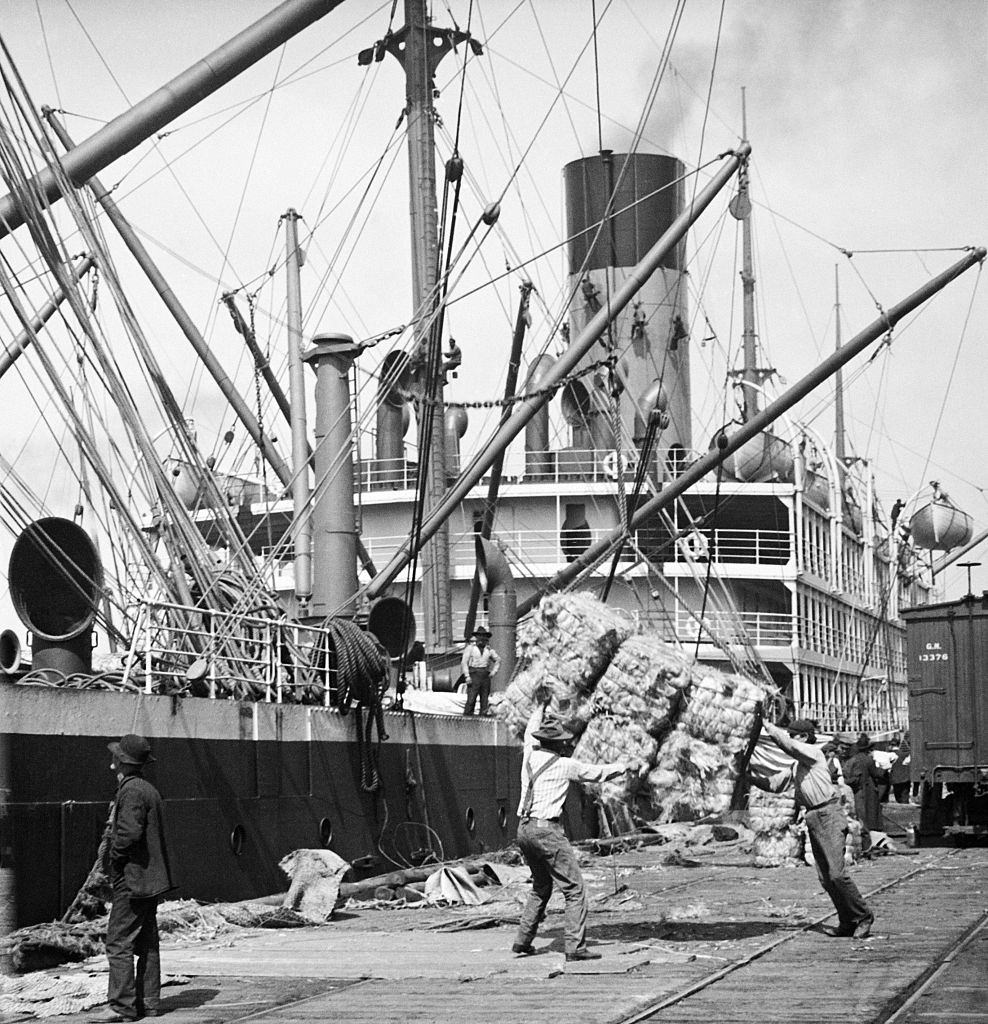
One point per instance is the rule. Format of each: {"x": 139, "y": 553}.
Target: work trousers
{"x": 132, "y": 931}
{"x": 479, "y": 684}
{"x": 826, "y": 828}
{"x": 552, "y": 860}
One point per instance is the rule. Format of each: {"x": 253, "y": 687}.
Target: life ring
{"x": 609, "y": 465}
{"x": 697, "y": 544}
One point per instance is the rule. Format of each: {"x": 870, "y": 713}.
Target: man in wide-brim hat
{"x": 826, "y": 822}
{"x": 479, "y": 664}
{"x": 135, "y": 859}
{"x": 865, "y": 779}
{"x": 547, "y": 770}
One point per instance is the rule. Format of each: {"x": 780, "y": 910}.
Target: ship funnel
{"x": 10, "y": 652}
{"x": 392, "y": 621}
{"x": 393, "y": 419}
{"x": 55, "y": 579}
{"x": 497, "y": 581}
{"x": 538, "y": 458}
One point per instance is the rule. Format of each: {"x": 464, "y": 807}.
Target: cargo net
{"x": 629, "y": 695}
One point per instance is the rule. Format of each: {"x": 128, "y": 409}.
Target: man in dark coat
{"x": 865, "y": 777}
{"x": 135, "y": 859}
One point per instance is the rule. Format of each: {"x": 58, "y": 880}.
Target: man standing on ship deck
{"x": 135, "y": 859}
{"x": 826, "y": 823}
{"x": 480, "y": 664}
{"x": 546, "y": 773}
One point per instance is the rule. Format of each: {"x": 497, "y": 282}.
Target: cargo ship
{"x": 258, "y": 622}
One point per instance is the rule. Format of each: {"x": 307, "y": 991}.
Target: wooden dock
{"x": 718, "y": 943}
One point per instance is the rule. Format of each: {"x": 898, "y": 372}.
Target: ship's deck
{"x": 721, "y": 942}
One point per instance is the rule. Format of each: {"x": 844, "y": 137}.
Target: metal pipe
{"x": 16, "y": 348}
{"x": 301, "y": 524}
{"x": 178, "y": 312}
{"x": 183, "y": 92}
{"x": 334, "y": 581}
{"x": 526, "y": 410}
{"x": 497, "y": 580}
{"x": 707, "y": 463}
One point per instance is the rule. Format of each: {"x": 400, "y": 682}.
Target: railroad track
{"x": 712, "y": 979}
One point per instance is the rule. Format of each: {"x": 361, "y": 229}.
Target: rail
{"x": 221, "y": 655}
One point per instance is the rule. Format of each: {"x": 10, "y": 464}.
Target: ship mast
{"x": 840, "y": 446}
{"x": 419, "y": 47}
{"x": 741, "y": 209}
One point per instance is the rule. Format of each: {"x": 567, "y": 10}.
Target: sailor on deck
{"x": 546, "y": 773}
{"x": 480, "y": 664}
{"x": 826, "y": 823}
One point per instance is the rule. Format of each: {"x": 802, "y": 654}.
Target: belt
{"x": 540, "y": 822}
{"x": 826, "y": 803}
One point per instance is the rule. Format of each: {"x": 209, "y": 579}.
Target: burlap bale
{"x": 645, "y": 681}
{"x": 607, "y": 740}
{"x": 778, "y": 849}
{"x": 691, "y": 778}
{"x": 563, "y": 648}
{"x": 771, "y": 812}
{"x": 722, "y": 709}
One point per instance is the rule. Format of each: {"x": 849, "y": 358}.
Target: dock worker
{"x": 865, "y": 778}
{"x": 826, "y": 822}
{"x": 479, "y": 664}
{"x": 547, "y": 770}
{"x": 134, "y": 857}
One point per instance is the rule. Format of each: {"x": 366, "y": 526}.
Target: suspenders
{"x": 526, "y": 807}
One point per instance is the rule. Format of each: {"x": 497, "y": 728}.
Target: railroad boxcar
{"x": 947, "y": 655}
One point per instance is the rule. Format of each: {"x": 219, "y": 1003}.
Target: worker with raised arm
{"x": 547, "y": 770}
{"x": 826, "y": 822}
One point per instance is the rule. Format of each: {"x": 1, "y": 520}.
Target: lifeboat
{"x": 939, "y": 524}
{"x": 765, "y": 458}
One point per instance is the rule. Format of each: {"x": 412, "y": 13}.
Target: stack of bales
{"x": 564, "y": 648}
{"x": 633, "y": 708}
{"x": 778, "y": 842}
{"x": 631, "y": 696}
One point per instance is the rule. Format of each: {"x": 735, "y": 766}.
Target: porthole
{"x": 471, "y": 820}
{"x": 237, "y": 837}
{"x": 325, "y": 831}
{"x": 502, "y": 817}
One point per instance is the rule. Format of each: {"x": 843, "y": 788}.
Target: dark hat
{"x": 552, "y": 731}
{"x": 131, "y": 749}
{"x": 802, "y": 725}
{"x": 483, "y": 633}
{"x": 864, "y": 742}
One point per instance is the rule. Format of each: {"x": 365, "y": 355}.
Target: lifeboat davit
{"x": 940, "y": 525}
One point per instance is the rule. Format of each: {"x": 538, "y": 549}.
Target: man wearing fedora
{"x": 826, "y": 822}
{"x": 135, "y": 859}
{"x": 480, "y": 664}
{"x": 547, "y": 770}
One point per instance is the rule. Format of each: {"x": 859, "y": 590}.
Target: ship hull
{"x": 243, "y": 785}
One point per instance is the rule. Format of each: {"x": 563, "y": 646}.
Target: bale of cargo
{"x": 563, "y": 648}
{"x": 771, "y": 812}
{"x": 691, "y": 779}
{"x": 608, "y": 739}
{"x": 645, "y": 682}
{"x": 722, "y": 709}
{"x": 778, "y": 849}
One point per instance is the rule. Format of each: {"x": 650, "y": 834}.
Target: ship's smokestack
{"x": 499, "y": 584}
{"x": 650, "y": 339}
{"x": 55, "y": 580}
{"x": 334, "y": 528}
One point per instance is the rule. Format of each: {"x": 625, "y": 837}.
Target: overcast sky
{"x": 867, "y": 122}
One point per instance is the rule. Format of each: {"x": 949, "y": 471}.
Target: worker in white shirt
{"x": 547, "y": 770}
{"x": 480, "y": 664}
